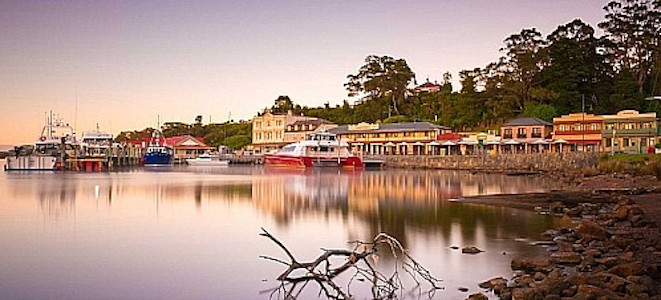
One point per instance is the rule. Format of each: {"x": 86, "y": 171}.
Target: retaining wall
{"x": 538, "y": 162}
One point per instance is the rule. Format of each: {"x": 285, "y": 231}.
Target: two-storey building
{"x": 629, "y": 131}
{"x": 300, "y": 129}
{"x": 392, "y": 138}
{"x": 525, "y": 135}
{"x": 580, "y": 131}
{"x": 272, "y": 131}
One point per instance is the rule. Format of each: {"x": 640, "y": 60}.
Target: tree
{"x": 198, "y": 120}
{"x": 633, "y": 29}
{"x": 282, "y": 105}
{"x": 576, "y": 68}
{"x": 525, "y": 57}
{"x": 381, "y": 77}
{"x": 237, "y": 142}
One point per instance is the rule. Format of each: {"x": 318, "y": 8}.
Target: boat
{"x": 207, "y": 160}
{"x": 320, "y": 149}
{"x": 158, "y": 153}
{"x": 56, "y": 143}
{"x": 97, "y": 144}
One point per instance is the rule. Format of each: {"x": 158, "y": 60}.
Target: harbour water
{"x": 192, "y": 233}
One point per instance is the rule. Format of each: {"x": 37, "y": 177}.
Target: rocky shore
{"x": 607, "y": 248}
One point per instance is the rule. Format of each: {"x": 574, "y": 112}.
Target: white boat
{"x": 97, "y": 144}
{"x": 57, "y": 142}
{"x": 320, "y": 149}
{"x": 207, "y": 160}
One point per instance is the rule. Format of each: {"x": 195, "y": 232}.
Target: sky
{"x": 122, "y": 64}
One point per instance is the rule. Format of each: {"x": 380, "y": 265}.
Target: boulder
{"x": 590, "y": 230}
{"x": 489, "y": 284}
{"x": 566, "y": 258}
{"x": 627, "y": 269}
{"x": 471, "y": 250}
{"x": 531, "y": 265}
{"x": 477, "y": 296}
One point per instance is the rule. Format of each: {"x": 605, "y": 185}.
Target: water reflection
{"x": 196, "y": 228}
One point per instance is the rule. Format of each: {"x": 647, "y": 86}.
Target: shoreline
{"x": 608, "y": 246}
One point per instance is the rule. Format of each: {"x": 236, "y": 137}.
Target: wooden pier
{"x": 114, "y": 158}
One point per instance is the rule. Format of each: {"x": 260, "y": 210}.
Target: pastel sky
{"x": 122, "y": 63}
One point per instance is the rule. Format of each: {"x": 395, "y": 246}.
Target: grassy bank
{"x": 635, "y": 164}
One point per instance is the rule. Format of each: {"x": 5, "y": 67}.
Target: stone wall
{"x": 538, "y": 162}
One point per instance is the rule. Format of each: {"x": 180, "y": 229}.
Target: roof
{"x": 428, "y": 85}
{"x": 448, "y": 136}
{"x": 312, "y": 121}
{"x": 391, "y": 127}
{"x": 180, "y": 142}
{"x": 526, "y": 121}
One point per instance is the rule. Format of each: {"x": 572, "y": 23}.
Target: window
{"x": 625, "y": 142}
{"x": 536, "y": 132}
{"x": 521, "y": 133}
{"x": 507, "y": 133}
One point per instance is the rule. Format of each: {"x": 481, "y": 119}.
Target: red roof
{"x": 428, "y": 85}
{"x": 449, "y": 136}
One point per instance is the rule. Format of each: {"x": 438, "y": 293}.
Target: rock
{"x": 635, "y": 289}
{"x": 526, "y": 294}
{"x": 566, "y": 258}
{"x": 590, "y": 230}
{"x": 628, "y": 269}
{"x": 489, "y": 284}
{"x": 557, "y": 207}
{"x": 471, "y": 250}
{"x": 608, "y": 261}
{"x": 531, "y": 265}
{"x": 499, "y": 288}
{"x": 574, "y": 212}
{"x": 621, "y": 212}
{"x": 586, "y": 291}
{"x": 463, "y": 289}
{"x": 477, "y": 296}
{"x": 539, "y": 276}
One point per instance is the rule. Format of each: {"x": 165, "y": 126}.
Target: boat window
{"x": 288, "y": 148}
{"x": 323, "y": 148}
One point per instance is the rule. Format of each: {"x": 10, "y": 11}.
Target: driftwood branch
{"x": 361, "y": 260}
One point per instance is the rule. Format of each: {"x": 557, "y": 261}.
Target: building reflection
{"x": 397, "y": 202}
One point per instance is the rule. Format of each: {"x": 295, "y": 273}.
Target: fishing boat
{"x": 321, "y": 149}
{"x": 56, "y": 143}
{"x": 207, "y": 160}
{"x": 158, "y": 153}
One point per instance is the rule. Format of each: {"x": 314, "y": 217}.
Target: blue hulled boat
{"x": 158, "y": 152}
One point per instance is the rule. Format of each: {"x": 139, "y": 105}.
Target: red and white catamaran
{"x": 318, "y": 150}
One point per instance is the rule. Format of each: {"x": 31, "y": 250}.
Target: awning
{"x": 492, "y": 143}
{"x": 376, "y": 144}
{"x": 560, "y": 141}
{"x": 540, "y": 142}
{"x": 468, "y": 142}
{"x": 357, "y": 144}
{"x": 512, "y": 142}
{"x": 390, "y": 144}
{"x": 433, "y": 143}
{"x": 449, "y": 143}
{"x": 403, "y": 143}
{"x": 418, "y": 144}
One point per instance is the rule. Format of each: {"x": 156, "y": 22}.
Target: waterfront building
{"x": 578, "y": 131}
{"x": 268, "y": 130}
{"x": 187, "y": 147}
{"x": 298, "y": 130}
{"x": 525, "y": 135}
{"x": 629, "y": 131}
{"x": 393, "y": 138}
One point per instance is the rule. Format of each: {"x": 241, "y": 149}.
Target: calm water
{"x": 186, "y": 233}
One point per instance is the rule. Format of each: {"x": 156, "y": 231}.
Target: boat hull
{"x": 309, "y": 162}
{"x": 155, "y": 159}
{"x": 31, "y": 163}
{"x": 216, "y": 163}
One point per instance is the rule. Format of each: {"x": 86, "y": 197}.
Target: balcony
{"x": 536, "y": 135}
{"x": 521, "y": 136}
{"x": 507, "y": 136}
